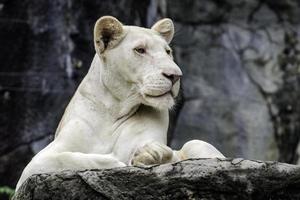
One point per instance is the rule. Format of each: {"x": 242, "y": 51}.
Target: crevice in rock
{"x": 287, "y": 121}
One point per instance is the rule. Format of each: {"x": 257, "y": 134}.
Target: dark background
{"x": 240, "y": 59}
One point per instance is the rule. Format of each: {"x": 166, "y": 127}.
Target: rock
{"x": 240, "y": 81}
{"x": 230, "y": 179}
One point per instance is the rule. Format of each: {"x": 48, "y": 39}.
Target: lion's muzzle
{"x": 160, "y": 84}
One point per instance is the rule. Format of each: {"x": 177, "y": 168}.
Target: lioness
{"x": 119, "y": 113}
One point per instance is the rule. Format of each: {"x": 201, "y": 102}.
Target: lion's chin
{"x": 161, "y": 102}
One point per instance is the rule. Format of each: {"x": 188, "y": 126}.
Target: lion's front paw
{"x": 152, "y": 153}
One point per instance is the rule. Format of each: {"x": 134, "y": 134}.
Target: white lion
{"x": 119, "y": 114}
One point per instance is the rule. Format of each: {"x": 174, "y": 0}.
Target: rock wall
{"x": 240, "y": 61}
{"x": 46, "y": 49}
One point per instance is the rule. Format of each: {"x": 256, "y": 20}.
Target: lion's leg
{"x": 198, "y": 149}
{"x": 52, "y": 162}
{"x": 78, "y": 161}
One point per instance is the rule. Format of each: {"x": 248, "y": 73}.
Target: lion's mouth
{"x": 161, "y": 95}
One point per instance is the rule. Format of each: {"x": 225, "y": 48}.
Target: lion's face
{"x": 141, "y": 65}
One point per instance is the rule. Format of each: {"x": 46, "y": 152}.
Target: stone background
{"x": 240, "y": 59}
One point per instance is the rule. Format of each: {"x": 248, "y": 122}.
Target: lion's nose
{"x": 172, "y": 77}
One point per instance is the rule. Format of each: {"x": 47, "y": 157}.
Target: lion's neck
{"x": 94, "y": 89}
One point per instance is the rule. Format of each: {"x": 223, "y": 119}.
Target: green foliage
{"x": 7, "y": 191}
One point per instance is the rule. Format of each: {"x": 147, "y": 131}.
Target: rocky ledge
{"x": 190, "y": 179}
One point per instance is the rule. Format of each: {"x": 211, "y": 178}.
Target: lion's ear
{"x": 108, "y": 32}
{"x": 165, "y": 28}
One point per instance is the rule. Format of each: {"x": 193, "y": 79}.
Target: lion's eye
{"x": 140, "y": 50}
{"x": 168, "y": 51}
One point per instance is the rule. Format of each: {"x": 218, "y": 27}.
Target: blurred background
{"x": 240, "y": 59}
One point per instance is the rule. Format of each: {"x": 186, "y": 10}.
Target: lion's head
{"x": 138, "y": 61}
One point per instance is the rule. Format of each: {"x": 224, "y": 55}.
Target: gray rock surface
{"x": 227, "y": 179}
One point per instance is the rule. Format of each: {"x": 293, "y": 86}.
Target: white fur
{"x": 115, "y": 118}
